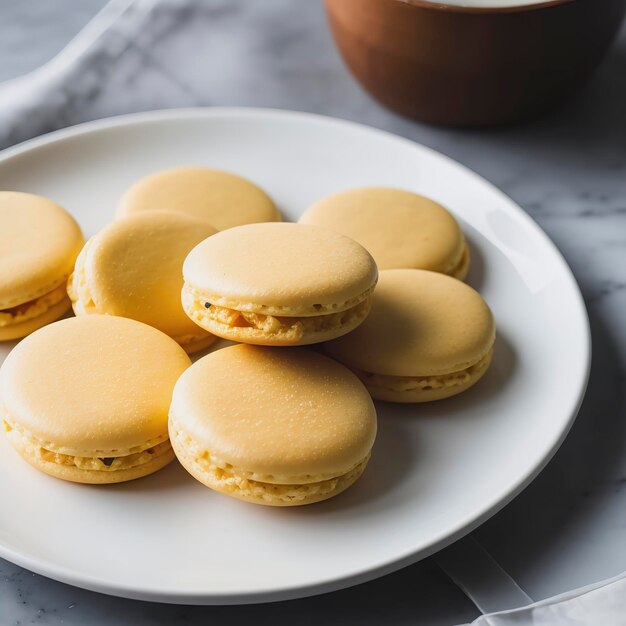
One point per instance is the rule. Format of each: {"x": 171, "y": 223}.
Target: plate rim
{"x": 445, "y": 537}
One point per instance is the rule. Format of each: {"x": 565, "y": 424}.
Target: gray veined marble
{"x": 568, "y": 170}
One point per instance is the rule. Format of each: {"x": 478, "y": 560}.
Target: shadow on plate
{"x": 495, "y": 381}
{"x": 584, "y": 480}
{"x": 391, "y": 459}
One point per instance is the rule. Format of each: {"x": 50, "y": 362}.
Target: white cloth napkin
{"x": 32, "y": 104}
{"x": 110, "y": 67}
{"x": 600, "y": 604}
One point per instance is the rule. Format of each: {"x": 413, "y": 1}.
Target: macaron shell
{"x": 461, "y": 270}
{"x": 281, "y": 416}
{"x": 133, "y": 268}
{"x": 286, "y": 269}
{"x": 220, "y": 198}
{"x": 89, "y": 386}
{"x": 39, "y": 242}
{"x": 421, "y": 323}
{"x": 400, "y": 229}
{"x": 21, "y": 329}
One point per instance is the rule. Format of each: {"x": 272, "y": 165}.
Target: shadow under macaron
{"x": 495, "y": 380}
{"x": 392, "y": 457}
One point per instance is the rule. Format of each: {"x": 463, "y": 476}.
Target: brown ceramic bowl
{"x": 464, "y": 66}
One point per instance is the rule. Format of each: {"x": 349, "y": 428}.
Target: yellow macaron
{"x": 220, "y": 198}
{"x": 399, "y": 228}
{"x": 39, "y": 242}
{"x": 278, "y": 284}
{"x": 134, "y": 268}
{"x": 86, "y": 399}
{"x": 270, "y": 426}
{"x": 428, "y": 337}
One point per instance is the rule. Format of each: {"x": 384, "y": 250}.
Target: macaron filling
{"x": 77, "y": 286}
{"x": 203, "y": 300}
{"x": 294, "y": 328}
{"x": 249, "y": 485}
{"x": 33, "y": 308}
{"x": 25, "y": 442}
{"x": 263, "y": 321}
{"x": 238, "y": 486}
{"x": 426, "y": 383}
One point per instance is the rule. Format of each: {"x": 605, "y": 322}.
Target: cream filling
{"x": 33, "y": 308}
{"x": 226, "y": 481}
{"x": 211, "y": 463}
{"x": 30, "y": 446}
{"x": 226, "y": 478}
{"x": 77, "y": 287}
{"x": 191, "y": 294}
{"x": 425, "y": 383}
{"x": 293, "y": 328}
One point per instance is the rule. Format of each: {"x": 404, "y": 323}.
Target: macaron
{"x": 399, "y": 228}
{"x": 39, "y": 242}
{"x": 428, "y": 337}
{"x": 278, "y": 284}
{"x": 134, "y": 268}
{"x": 220, "y": 198}
{"x": 86, "y": 399}
{"x": 270, "y": 426}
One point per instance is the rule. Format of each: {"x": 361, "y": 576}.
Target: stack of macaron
{"x": 373, "y": 276}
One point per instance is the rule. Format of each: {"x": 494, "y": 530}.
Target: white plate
{"x": 438, "y": 470}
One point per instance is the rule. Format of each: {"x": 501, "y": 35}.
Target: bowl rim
{"x": 443, "y": 6}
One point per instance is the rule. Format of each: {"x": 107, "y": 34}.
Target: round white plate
{"x": 438, "y": 470}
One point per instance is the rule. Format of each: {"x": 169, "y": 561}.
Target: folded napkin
{"x": 600, "y": 604}
{"x": 116, "y": 64}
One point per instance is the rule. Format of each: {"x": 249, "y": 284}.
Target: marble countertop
{"x": 568, "y": 170}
